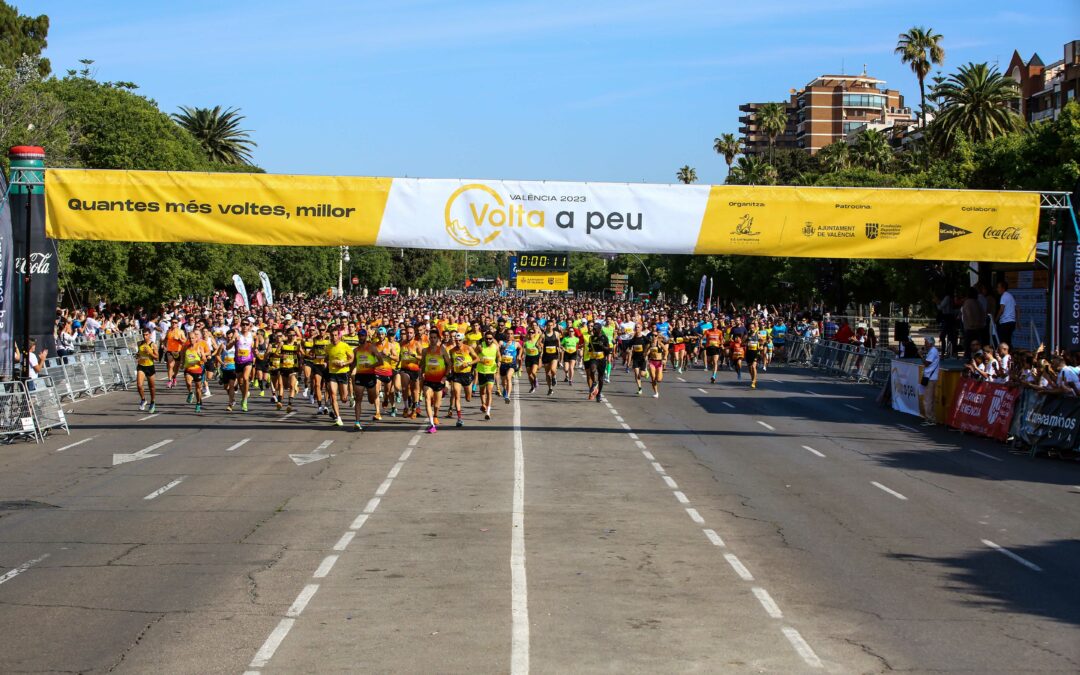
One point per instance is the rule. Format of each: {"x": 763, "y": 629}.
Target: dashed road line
{"x": 813, "y": 451}
{"x": 639, "y": 444}
{"x": 372, "y": 504}
{"x": 695, "y": 516}
{"x": 76, "y": 443}
{"x": 659, "y": 469}
{"x": 162, "y": 490}
{"x": 519, "y": 599}
{"x": 384, "y": 487}
{"x": 812, "y": 393}
{"x": 714, "y": 537}
{"x": 702, "y": 390}
{"x": 680, "y": 379}
{"x": 766, "y": 425}
{"x": 769, "y": 605}
{"x": 302, "y": 600}
{"x": 148, "y": 417}
{"x": 288, "y": 415}
{"x": 739, "y": 568}
{"x": 853, "y": 407}
{"x": 359, "y": 522}
{"x": 802, "y": 648}
{"x": 894, "y": 493}
{"x": 394, "y": 471}
{"x": 907, "y": 428}
{"x": 238, "y": 445}
{"x": 728, "y": 404}
{"x": 11, "y": 574}
{"x": 988, "y": 456}
{"x": 648, "y": 455}
{"x": 1023, "y": 561}
{"x": 625, "y": 426}
{"x": 680, "y": 496}
{"x": 345, "y": 540}
{"x": 325, "y": 566}
{"x": 671, "y": 482}
{"x": 619, "y": 419}
{"x": 633, "y": 436}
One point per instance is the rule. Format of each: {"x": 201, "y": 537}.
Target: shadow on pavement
{"x": 1003, "y": 585}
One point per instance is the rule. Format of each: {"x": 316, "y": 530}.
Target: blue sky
{"x": 601, "y": 91}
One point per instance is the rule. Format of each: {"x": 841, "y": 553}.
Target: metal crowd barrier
{"x": 842, "y": 360}
{"x": 16, "y": 416}
{"x": 45, "y": 405}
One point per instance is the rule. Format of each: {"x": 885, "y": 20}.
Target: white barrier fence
{"x": 33, "y": 409}
{"x": 852, "y": 362}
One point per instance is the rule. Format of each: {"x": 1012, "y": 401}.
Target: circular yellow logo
{"x": 468, "y": 230}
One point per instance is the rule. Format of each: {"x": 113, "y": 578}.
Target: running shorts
{"x": 146, "y": 370}
{"x": 364, "y": 380}
{"x": 486, "y": 378}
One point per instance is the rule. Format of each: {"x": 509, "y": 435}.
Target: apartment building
{"x": 830, "y": 108}
{"x": 1045, "y": 89}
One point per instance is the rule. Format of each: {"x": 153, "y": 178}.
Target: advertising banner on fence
{"x": 1067, "y": 296}
{"x": 905, "y": 386}
{"x": 983, "y": 408}
{"x": 7, "y": 293}
{"x": 1052, "y": 423}
{"x": 270, "y": 209}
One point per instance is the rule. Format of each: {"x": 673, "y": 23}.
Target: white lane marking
{"x": 625, "y": 426}
{"x": 413, "y": 442}
{"x": 702, "y": 390}
{"x": 72, "y": 445}
{"x": 680, "y": 496}
{"x": 680, "y": 379}
{"x": 802, "y": 648}
{"x": 809, "y": 449}
{"x": 298, "y": 606}
{"x": 359, "y": 522}
{"x": 776, "y": 379}
{"x": 372, "y": 504}
{"x": 671, "y": 482}
{"x": 395, "y": 470}
{"x": 907, "y": 428}
{"x": 633, "y": 435}
{"x": 124, "y": 458}
{"x": 345, "y": 540}
{"x": 713, "y": 537}
{"x": 273, "y": 641}
{"x": 519, "y": 603}
{"x": 770, "y": 606}
{"x": 1023, "y": 561}
{"x": 285, "y": 417}
{"x": 324, "y": 445}
{"x": 384, "y": 487}
{"x": 996, "y": 459}
{"x": 619, "y": 419}
{"x": 739, "y": 568}
{"x": 11, "y": 574}
{"x": 639, "y": 444}
{"x": 659, "y": 469}
{"x": 405, "y": 455}
{"x": 894, "y": 493}
{"x": 148, "y": 417}
{"x": 648, "y": 455}
{"x": 766, "y": 425}
{"x": 325, "y": 566}
{"x": 728, "y": 404}
{"x": 853, "y": 407}
{"x": 694, "y": 515}
{"x": 162, "y": 490}
{"x": 237, "y": 445}
{"x": 812, "y": 393}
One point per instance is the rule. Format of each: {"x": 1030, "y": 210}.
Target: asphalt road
{"x": 794, "y": 528}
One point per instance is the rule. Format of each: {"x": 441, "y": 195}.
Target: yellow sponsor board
{"x": 250, "y": 208}
{"x": 870, "y": 223}
{"x": 543, "y": 281}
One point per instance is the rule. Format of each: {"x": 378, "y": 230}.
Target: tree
{"x": 772, "y": 119}
{"x": 835, "y": 156}
{"x": 729, "y": 146}
{"x": 588, "y": 272}
{"x": 872, "y": 150}
{"x": 686, "y": 175}
{"x": 218, "y": 132}
{"x": 374, "y": 266}
{"x": 752, "y": 170}
{"x": 977, "y": 101}
{"x": 32, "y": 115}
{"x": 921, "y": 48}
{"x": 21, "y": 35}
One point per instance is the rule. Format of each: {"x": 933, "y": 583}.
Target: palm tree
{"x": 772, "y": 119}
{"x": 729, "y": 146}
{"x": 920, "y": 48}
{"x": 686, "y": 175}
{"x": 977, "y": 102}
{"x": 835, "y": 156}
{"x": 218, "y": 132}
{"x": 872, "y": 150}
{"x": 752, "y": 170}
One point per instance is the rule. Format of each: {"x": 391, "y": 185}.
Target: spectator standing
{"x": 931, "y": 365}
{"x": 1007, "y": 313}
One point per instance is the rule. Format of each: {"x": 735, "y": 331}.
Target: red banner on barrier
{"x": 983, "y": 408}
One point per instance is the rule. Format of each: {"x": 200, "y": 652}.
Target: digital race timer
{"x": 543, "y": 262}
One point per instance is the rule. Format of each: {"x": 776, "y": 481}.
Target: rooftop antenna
{"x": 842, "y": 71}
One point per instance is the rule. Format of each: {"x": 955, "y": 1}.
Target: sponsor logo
{"x": 882, "y": 230}
{"x": 808, "y": 229}
{"x": 872, "y": 230}
{"x": 995, "y": 406}
{"x": 1003, "y": 233}
{"x": 947, "y": 231}
{"x": 485, "y": 209}
{"x": 745, "y": 227}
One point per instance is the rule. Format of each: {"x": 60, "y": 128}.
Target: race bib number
{"x": 508, "y": 359}
{"x": 487, "y": 360}
{"x": 243, "y": 353}
{"x": 639, "y": 348}
{"x": 550, "y": 350}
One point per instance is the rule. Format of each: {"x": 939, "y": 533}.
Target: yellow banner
{"x": 541, "y": 281}
{"x": 871, "y": 223}
{"x": 227, "y": 208}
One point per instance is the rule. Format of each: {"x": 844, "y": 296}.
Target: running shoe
{"x": 753, "y": 385}
{"x": 243, "y": 405}
{"x": 153, "y": 408}
{"x": 206, "y": 393}
{"x": 436, "y": 420}
{"x": 607, "y": 379}
{"x": 358, "y": 426}
{"x": 532, "y": 388}
{"x": 712, "y": 380}
{"x": 507, "y": 399}
{"x": 198, "y": 407}
{"x": 228, "y": 408}
{"x": 172, "y": 383}
{"x": 306, "y": 393}
{"x": 592, "y": 393}
{"x": 262, "y": 392}
{"x": 288, "y": 408}
{"x": 377, "y": 417}
{"x": 599, "y": 398}
{"x": 460, "y": 422}
{"x": 549, "y": 391}
{"x": 142, "y": 405}
{"x": 639, "y": 391}
{"x": 338, "y": 422}
{"x": 278, "y": 404}
{"x": 397, "y": 399}
{"x": 487, "y": 414}
{"x": 190, "y": 397}
{"x": 393, "y": 412}
{"x": 656, "y": 394}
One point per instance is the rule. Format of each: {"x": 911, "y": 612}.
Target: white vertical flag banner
{"x": 241, "y": 290}
{"x": 268, "y": 291}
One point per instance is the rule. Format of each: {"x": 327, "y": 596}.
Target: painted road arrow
{"x": 141, "y": 454}
{"x": 311, "y": 456}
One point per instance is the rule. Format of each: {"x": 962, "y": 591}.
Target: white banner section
{"x": 905, "y": 386}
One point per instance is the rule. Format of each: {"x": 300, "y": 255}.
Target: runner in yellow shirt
{"x": 339, "y": 361}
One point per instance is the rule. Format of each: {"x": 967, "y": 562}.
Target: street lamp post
{"x": 342, "y": 259}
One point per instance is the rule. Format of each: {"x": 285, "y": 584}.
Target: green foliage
{"x": 872, "y": 150}
{"x": 728, "y": 145}
{"x": 920, "y": 48}
{"x": 218, "y": 132}
{"x": 21, "y": 35}
{"x": 373, "y": 266}
{"x": 771, "y": 118}
{"x": 752, "y": 170}
{"x": 588, "y": 272}
{"x": 30, "y": 114}
{"x": 686, "y": 175}
{"x": 976, "y": 101}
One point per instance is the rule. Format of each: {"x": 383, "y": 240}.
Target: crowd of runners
{"x": 367, "y": 358}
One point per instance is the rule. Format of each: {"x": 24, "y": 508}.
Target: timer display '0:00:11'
{"x": 550, "y": 262}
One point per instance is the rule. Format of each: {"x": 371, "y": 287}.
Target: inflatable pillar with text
{"x": 43, "y": 262}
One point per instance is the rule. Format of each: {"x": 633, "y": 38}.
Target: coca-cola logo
{"x": 39, "y": 263}
{"x": 1006, "y": 233}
